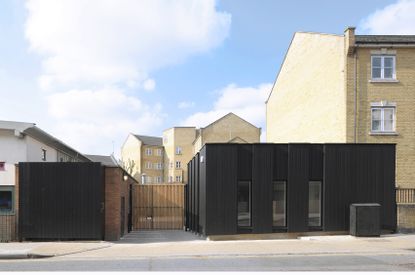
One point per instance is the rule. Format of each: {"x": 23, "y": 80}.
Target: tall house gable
{"x": 307, "y": 102}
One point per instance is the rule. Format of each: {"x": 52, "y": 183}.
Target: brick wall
{"x": 115, "y": 189}
{"x": 406, "y": 218}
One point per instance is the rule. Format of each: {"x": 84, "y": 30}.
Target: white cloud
{"x": 397, "y": 18}
{"x": 149, "y": 84}
{"x": 185, "y": 105}
{"x": 119, "y": 41}
{"x": 95, "y": 52}
{"x": 246, "y": 102}
{"x": 92, "y": 119}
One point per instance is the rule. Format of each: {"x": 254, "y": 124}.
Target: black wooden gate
{"x": 61, "y": 201}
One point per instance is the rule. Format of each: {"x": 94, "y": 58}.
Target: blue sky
{"x": 90, "y": 72}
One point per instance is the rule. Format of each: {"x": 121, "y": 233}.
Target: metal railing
{"x": 405, "y": 195}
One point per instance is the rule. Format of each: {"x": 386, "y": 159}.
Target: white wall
{"x": 34, "y": 151}
{"x": 8, "y": 176}
{"x": 12, "y": 150}
{"x": 15, "y": 149}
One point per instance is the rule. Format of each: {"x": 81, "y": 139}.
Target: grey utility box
{"x": 365, "y": 219}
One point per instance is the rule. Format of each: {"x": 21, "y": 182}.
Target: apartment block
{"x": 348, "y": 88}
{"x": 180, "y": 144}
{"x": 143, "y": 158}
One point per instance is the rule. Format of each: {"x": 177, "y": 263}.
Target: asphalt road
{"x": 345, "y": 262}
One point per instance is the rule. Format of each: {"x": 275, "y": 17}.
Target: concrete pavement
{"x": 15, "y": 250}
{"x": 186, "y": 244}
{"x": 325, "y": 245}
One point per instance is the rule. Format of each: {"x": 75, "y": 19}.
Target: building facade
{"x": 180, "y": 144}
{"x": 298, "y": 188}
{"x": 24, "y": 142}
{"x": 348, "y": 88}
{"x": 178, "y": 147}
{"x": 143, "y": 158}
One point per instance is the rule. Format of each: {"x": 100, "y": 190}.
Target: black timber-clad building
{"x": 265, "y": 188}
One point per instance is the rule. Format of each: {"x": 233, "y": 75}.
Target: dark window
{"x": 314, "y": 203}
{"x": 2, "y": 166}
{"x": 279, "y": 192}
{"x": 6, "y": 200}
{"x": 43, "y": 154}
{"x": 244, "y": 203}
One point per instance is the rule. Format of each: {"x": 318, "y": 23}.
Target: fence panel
{"x": 158, "y": 206}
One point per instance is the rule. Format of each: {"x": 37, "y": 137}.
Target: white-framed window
{"x": 44, "y": 154}
{"x": 170, "y": 178}
{"x": 159, "y": 152}
{"x": 148, "y": 165}
{"x": 148, "y": 179}
{"x": 178, "y": 150}
{"x": 149, "y": 151}
{"x": 158, "y": 179}
{"x": 171, "y": 164}
{"x": 383, "y": 119}
{"x": 158, "y": 166}
{"x": 178, "y": 164}
{"x": 383, "y": 67}
{"x": 178, "y": 178}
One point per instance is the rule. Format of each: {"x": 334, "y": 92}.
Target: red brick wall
{"x": 115, "y": 189}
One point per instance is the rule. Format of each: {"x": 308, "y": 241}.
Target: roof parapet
{"x": 350, "y": 40}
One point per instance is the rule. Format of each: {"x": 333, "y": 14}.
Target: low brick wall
{"x": 406, "y": 218}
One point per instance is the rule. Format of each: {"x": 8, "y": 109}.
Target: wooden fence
{"x": 405, "y": 195}
{"x": 158, "y": 206}
{"x": 8, "y": 228}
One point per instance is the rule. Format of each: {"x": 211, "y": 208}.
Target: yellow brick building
{"x": 143, "y": 158}
{"x": 180, "y": 144}
{"x": 348, "y": 88}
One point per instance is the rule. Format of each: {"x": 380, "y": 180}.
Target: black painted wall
{"x": 61, "y": 200}
{"x": 350, "y": 173}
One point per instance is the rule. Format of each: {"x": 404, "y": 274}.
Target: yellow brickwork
{"x": 152, "y": 171}
{"x": 226, "y": 129}
{"x": 182, "y": 137}
{"x": 313, "y": 99}
{"x": 400, "y": 93}
{"x": 131, "y": 155}
{"x": 307, "y": 102}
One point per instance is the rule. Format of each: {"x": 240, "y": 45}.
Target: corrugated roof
{"x": 385, "y": 39}
{"x": 105, "y": 160}
{"x": 147, "y": 140}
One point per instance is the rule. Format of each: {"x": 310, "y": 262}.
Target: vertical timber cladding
{"x": 262, "y": 166}
{"x": 202, "y": 191}
{"x": 158, "y": 206}
{"x": 61, "y": 201}
{"x": 361, "y": 173}
{"x": 350, "y": 173}
{"x": 297, "y": 187}
{"x": 221, "y": 185}
{"x": 197, "y": 191}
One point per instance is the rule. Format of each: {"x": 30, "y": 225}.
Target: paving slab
{"x": 47, "y": 249}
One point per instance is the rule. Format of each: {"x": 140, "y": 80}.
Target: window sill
{"x": 383, "y": 81}
{"x": 383, "y": 134}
